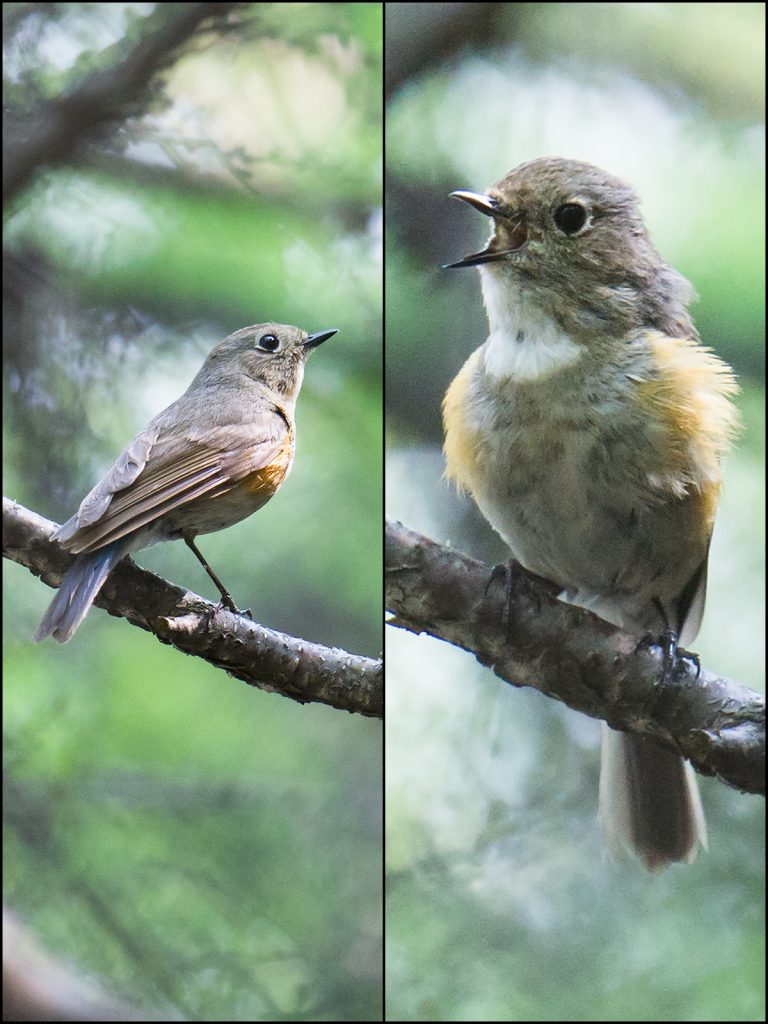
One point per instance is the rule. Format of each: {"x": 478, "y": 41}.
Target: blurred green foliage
{"x": 207, "y": 850}
{"x": 500, "y": 904}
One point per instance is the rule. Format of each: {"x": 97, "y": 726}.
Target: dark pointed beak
{"x": 317, "y": 339}
{"x": 475, "y": 259}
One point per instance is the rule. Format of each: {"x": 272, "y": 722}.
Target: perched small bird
{"x": 212, "y": 458}
{"x": 589, "y": 429}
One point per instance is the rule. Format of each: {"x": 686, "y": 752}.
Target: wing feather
{"x": 134, "y": 493}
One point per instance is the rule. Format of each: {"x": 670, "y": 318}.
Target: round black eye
{"x": 570, "y": 218}
{"x": 269, "y": 342}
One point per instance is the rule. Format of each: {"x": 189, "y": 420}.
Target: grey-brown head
{"x": 271, "y": 354}
{"x": 571, "y": 235}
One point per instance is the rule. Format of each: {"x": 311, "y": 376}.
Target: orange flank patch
{"x": 265, "y": 481}
{"x": 461, "y": 445}
{"x": 690, "y": 397}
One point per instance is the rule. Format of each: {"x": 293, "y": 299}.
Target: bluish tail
{"x": 78, "y": 590}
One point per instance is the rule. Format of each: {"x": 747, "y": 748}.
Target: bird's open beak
{"x": 319, "y": 337}
{"x": 491, "y": 254}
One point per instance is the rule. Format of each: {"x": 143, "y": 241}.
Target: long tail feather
{"x": 79, "y": 588}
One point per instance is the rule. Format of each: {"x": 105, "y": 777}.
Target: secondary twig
{"x": 55, "y": 130}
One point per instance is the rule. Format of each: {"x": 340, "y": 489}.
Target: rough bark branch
{"x": 570, "y": 654}
{"x": 261, "y": 657}
{"x": 53, "y": 132}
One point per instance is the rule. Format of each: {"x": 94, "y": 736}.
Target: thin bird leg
{"x": 226, "y": 600}
{"x": 674, "y": 656}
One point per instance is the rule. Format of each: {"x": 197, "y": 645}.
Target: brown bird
{"x": 589, "y": 428}
{"x": 212, "y": 458}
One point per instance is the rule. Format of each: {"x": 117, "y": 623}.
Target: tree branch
{"x": 261, "y": 657}
{"x": 572, "y": 655}
{"x": 53, "y": 132}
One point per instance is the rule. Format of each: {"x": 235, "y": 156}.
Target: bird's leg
{"x": 673, "y": 656}
{"x": 226, "y": 599}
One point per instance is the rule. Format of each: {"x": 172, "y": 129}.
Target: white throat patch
{"x": 523, "y": 343}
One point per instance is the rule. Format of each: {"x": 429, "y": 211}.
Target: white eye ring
{"x": 269, "y": 342}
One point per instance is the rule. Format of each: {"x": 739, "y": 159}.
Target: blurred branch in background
{"x": 261, "y": 657}
{"x": 422, "y": 37}
{"x": 572, "y": 655}
{"x": 52, "y": 133}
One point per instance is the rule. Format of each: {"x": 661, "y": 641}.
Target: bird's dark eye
{"x": 269, "y": 342}
{"x": 570, "y": 218}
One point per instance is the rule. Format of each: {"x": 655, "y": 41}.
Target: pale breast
{"x": 556, "y": 468}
